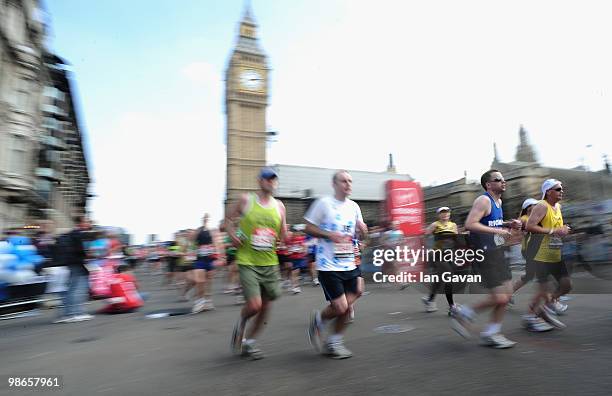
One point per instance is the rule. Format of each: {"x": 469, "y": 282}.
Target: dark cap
{"x": 267, "y": 173}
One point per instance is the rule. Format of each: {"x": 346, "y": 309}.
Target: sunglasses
{"x": 497, "y": 181}
{"x": 559, "y": 189}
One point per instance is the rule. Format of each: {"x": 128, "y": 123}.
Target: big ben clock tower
{"x": 246, "y": 100}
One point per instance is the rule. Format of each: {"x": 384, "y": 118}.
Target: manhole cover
{"x": 393, "y": 329}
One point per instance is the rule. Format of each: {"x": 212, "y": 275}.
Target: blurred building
{"x": 246, "y": 100}
{"x": 524, "y": 178}
{"x": 299, "y": 186}
{"x": 43, "y": 170}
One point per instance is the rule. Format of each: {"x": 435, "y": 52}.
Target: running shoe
{"x": 237, "y": 337}
{"x": 430, "y": 306}
{"x": 315, "y": 282}
{"x": 296, "y": 290}
{"x": 252, "y": 351}
{"x": 208, "y": 305}
{"x": 461, "y": 322}
{"x": 337, "y": 350}
{"x": 536, "y": 324}
{"x": 497, "y": 341}
{"x": 315, "y": 330}
{"x": 551, "y": 317}
{"x": 198, "y": 306}
{"x": 558, "y": 307}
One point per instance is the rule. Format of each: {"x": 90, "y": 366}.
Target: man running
{"x": 262, "y": 224}
{"x": 531, "y": 322}
{"x": 546, "y": 226}
{"x": 203, "y": 268}
{"x": 334, "y": 220}
{"x": 488, "y": 230}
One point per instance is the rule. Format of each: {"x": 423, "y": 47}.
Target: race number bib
{"x": 263, "y": 239}
{"x": 344, "y": 249}
{"x": 499, "y": 240}
{"x": 555, "y": 242}
{"x": 206, "y": 250}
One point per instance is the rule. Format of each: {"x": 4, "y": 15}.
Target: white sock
{"x": 334, "y": 339}
{"x": 491, "y": 328}
{"x": 249, "y": 341}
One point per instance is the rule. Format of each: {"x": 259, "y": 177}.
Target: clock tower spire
{"x": 246, "y": 101}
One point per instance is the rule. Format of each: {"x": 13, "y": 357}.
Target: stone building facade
{"x": 43, "y": 170}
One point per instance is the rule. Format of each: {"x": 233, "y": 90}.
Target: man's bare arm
{"x": 479, "y": 209}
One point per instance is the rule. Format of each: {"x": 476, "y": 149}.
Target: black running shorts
{"x": 337, "y": 283}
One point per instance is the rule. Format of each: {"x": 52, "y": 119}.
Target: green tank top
{"x": 260, "y": 227}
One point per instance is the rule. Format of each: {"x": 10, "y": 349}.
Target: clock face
{"x": 251, "y": 79}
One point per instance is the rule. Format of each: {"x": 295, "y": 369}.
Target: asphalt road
{"x": 189, "y": 354}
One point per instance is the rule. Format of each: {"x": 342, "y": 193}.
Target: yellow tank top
{"x": 448, "y": 228}
{"x": 443, "y": 229}
{"x": 261, "y": 228}
{"x": 550, "y": 246}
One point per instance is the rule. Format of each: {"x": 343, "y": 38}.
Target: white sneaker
{"x": 315, "y": 282}
{"x": 559, "y": 307}
{"x": 430, "y": 306}
{"x": 497, "y": 341}
{"x": 208, "y": 305}
{"x": 536, "y": 324}
{"x": 82, "y": 318}
{"x": 338, "y": 351}
{"x": 550, "y": 316}
{"x": 198, "y": 306}
{"x": 296, "y": 290}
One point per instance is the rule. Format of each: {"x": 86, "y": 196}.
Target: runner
{"x": 189, "y": 250}
{"x": 312, "y": 265}
{"x": 204, "y": 268}
{"x": 335, "y": 220}
{"x": 530, "y": 321}
{"x": 546, "y": 226}
{"x": 488, "y": 229}
{"x": 262, "y": 225}
{"x": 297, "y": 254}
{"x": 443, "y": 231}
{"x": 174, "y": 255}
{"x": 284, "y": 263}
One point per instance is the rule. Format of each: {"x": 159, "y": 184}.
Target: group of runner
{"x": 256, "y": 239}
{"x": 542, "y": 225}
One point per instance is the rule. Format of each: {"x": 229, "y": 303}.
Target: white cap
{"x": 442, "y": 209}
{"x": 528, "y": 202}
{"x": 547, "y": 185}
